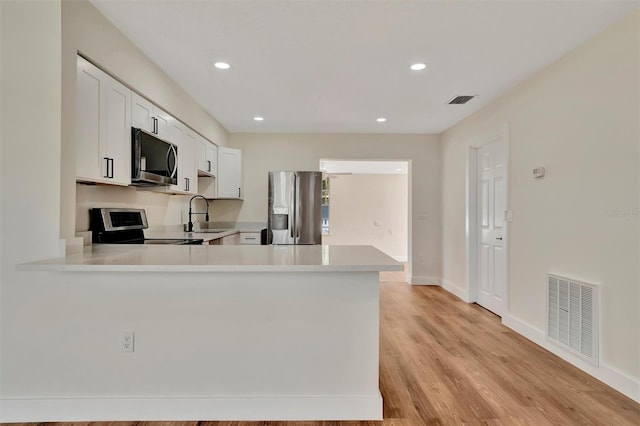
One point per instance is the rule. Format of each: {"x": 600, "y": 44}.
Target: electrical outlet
{"x": 127, "y": 341}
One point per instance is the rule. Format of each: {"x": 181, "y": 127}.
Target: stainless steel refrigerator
{"x": 294, "y": 215}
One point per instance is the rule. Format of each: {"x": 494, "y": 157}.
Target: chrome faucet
{"x": 206, "y": 217}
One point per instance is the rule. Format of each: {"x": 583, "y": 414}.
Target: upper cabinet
{"x": 147, "y": 116}
{"x": 229, "y": 173}
{"x": 206, "y": 157}
{"x": 184, "y": 138}
{"x": 106, "y": 111}
{"x": 187, "y": 174}
{"x": 103, "y": 127}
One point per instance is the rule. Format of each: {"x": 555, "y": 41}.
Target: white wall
{"x": 161, "y": 209}
{"x": 30, "y": 157}
{"x": 87, "y": 31}
{"x": 262, "y": 153}
{"x": 578, "y": 118}
{"x": 369, "y": 209}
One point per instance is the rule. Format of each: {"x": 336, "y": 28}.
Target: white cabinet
{"x": 229, "y": 173}
{"x": 187, "y": 174}
{"x": 206, "y": 157}
{"x": 145, "y": 115}
{"x": 103, "y": 127}
{"x": 185, "y": 139}
{"x": 142, "y": 113}
{"x": 250, "y": 238}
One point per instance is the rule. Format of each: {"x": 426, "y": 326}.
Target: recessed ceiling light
{"x": 258, "y": 118}
{"x": 222, "y": 65}
{"x": 398, "y": 170}
{"x": 418, "y": 67}
{"x": 381, "y": 120}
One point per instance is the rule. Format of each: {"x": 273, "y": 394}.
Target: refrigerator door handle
{"x": 293, "y": 211}
{"x": 297, "y": 203}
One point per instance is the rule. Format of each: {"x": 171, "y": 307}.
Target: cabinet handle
{"x": 106, "y": 176}
{"x": 186, "y": 184}
{"x": 208, "y": 165}
{"x": 155, "y": 125}
{"x": 249, "y": 238}
{"x": 111, "y": 174}
{"x": 238, "y": 192}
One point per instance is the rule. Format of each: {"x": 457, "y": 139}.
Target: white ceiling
{"x": 335, "y": 66}
{"x": 364, "y": 167}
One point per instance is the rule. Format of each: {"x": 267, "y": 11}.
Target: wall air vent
{"x": 572, "y": 316}
{"x": 461, "y": 99}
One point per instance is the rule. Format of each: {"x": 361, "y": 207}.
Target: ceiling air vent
{"x": 461, "y": 99}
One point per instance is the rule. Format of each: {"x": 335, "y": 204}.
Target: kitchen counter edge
{"x": 233, "y": 258}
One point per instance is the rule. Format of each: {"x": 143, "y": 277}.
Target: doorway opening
{"x": 366, "y": 202}
{"x": 488, "y": 215}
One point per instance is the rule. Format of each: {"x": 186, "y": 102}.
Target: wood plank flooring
{"x": 444, "y": 362}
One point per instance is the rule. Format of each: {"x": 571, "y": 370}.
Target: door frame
{"x": 409, "y": 161}
{"x": 471, "y": 230}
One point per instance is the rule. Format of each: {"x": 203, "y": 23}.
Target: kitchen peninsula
{"x": 221, "y": 332}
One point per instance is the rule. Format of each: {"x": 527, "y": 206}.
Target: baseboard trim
{"x": 460, "y": 293}
{"x": 608, "y": 375}
{"x": 424, "y": 280}
{"x": 189, "y": 409}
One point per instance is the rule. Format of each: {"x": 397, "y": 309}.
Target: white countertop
{"x": 176, "y": 231}
{"x": 224, "y": 258}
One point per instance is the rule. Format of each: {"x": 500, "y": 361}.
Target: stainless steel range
{"x": 125, "y": 226}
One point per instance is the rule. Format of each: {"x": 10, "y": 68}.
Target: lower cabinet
{"x": 250, "y": 238}
{"x": 242, "y": 238}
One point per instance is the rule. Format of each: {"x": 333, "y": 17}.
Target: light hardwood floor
{"x": 444, "y": 362}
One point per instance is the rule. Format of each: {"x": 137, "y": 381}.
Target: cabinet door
{"x": 89, "y": 134}
{"x": 164, "y": 123}
{"x": 201, "y": 154}
{"x": 250, "y": 238}
{"x": 212, "y": 159}
{"x": 141, "y": 113}
{"x": 229, "y": 173}
{"x": 189, "y": 161}
{"x": 206, "y": 157}
{"x": 174, "y": 133}
{"x": 117, "y": 124}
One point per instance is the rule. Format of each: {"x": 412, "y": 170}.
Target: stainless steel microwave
{"x": 153, "y": 160}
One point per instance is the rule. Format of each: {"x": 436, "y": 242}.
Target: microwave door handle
{"x": 175, "y": 163}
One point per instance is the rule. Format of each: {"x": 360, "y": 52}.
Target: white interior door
{"x": 491, "y": 204}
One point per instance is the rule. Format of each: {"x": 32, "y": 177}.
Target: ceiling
{"x": 364, "y": 167}
{"x": 336, "y": 66}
